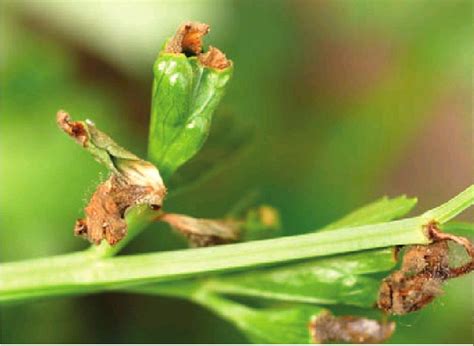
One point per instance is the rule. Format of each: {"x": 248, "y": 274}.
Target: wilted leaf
{"x": 204, "y": 232}
{"x": 423, "y": 271}
{"x": 133, "y": 181}
{"x": 326, "y": 328}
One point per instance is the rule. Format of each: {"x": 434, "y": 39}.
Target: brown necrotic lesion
{"x": 204, "y": 232}
{"x": 188, "y": 40}
{"x": 105, "y": 212}
{"x": 132, "y": 181}
{"x": 423, "y": 271}
{"x": 327, "y": 328}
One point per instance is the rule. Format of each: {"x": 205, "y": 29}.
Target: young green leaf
{"x": 187, "y": 88}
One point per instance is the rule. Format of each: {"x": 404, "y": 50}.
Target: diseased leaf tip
{"x": 75, "y": 129}
{"x": 188, "y": 39}
{"x": 214, "y": 58}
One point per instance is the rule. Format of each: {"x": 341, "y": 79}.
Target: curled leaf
{"x": 188, "y": 39}
{"x": 204, "y": 232}
{"x": 132, "y": 182}
{"x": 187, "y": 89}
{"x": 423, "y": 271}
{"x": 325, "y": 328}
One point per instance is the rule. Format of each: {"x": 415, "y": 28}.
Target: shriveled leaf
{"x": 327, "y": 328}
{"x": 204, "y": 232}
{"x": 207, "y": 232}
{"x": 382, "y": 210}
{"x": 335, "y": 280}
{"x": 132, "y": 182}
{"x": 187, "y": 88}
{"x": 424, "y": 269}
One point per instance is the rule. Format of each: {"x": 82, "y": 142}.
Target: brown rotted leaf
{"x": 214, "y": 58}
{"x": 204, "y": 232}
{"x": 327, "y": 328}
{"x": 420, "y": 278}
{"x": 132, "y": 182}
{"x": 188, "y": 40}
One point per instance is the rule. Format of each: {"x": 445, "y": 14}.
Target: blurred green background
{"x": 349, "y": 100}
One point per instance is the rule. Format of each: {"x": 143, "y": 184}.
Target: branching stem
{"x": 87, "y": 272}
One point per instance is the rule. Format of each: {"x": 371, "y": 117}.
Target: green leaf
{"x": 185, "y": 96}
{"x": 280, "y": 325}
{"x": 228, "y": 138}
{"x": 460, "y": 228}
{"x": 382, "y": 210}
{"x": 334, "y": 280}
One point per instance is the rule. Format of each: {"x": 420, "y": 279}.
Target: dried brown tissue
{"x": 133, "y": 181}
{"x": 423, "y": 271}
{"x": 188, "y": 40}
{"x": 327, "y": 328}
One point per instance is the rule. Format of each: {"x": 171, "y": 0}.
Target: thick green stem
{"x": 84, "y": 272}
{"x": 94, "y": 274}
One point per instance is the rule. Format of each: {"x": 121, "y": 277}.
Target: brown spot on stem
{"x": 326, "y": 328}
{"x": 424, "y": 269}
{"x": 75, "y": 129}
{"x": 188, "y": 39}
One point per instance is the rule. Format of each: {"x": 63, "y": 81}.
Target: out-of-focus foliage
{"x": 350, "y": 100}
